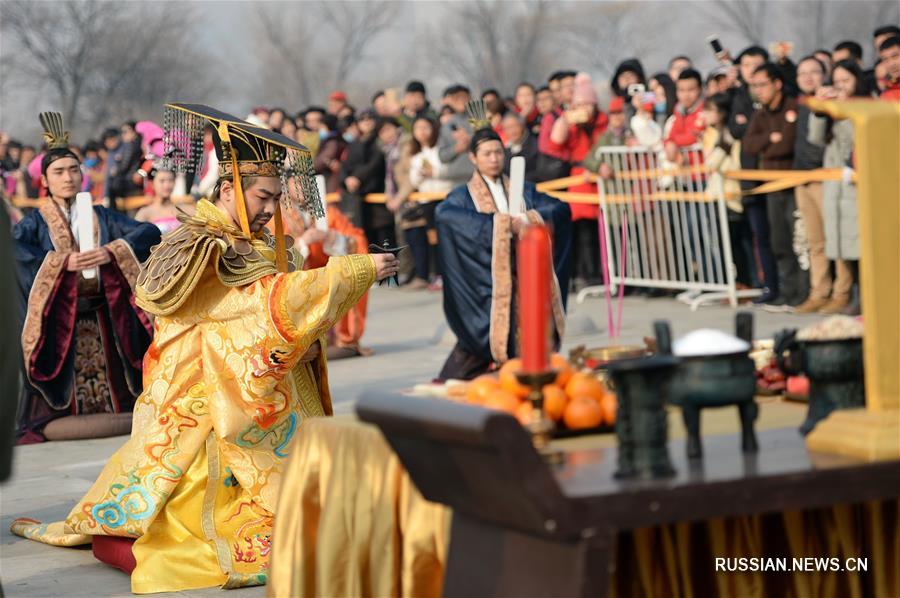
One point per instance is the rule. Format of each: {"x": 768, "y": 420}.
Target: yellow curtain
{"x": 678, "y": 560}
{"x": 351, "y": 523}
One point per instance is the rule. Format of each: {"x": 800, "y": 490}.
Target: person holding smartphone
{"x": 576, "y": 132}
{"x": 770, "y": 137}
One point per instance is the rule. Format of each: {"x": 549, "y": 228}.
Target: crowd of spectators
{"x": 747, "y": 112}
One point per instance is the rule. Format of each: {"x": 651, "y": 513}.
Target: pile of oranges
{"x": 575, "y": 400}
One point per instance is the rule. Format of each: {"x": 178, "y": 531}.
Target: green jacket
{"x": 593, "y": 160}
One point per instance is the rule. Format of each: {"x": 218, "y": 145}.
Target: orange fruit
{"x": 502, "y": 400}
{"x": 583, "y": 412}
{"x": 608, "y": 405}
{"x": 561, "y": 365}
{"x": 555, "y": 401}
{"x": 523, "y": 412}
{"x": 479, "y": 389}
{"x": 582, "y": 384}
{"x": 508, "y": 380}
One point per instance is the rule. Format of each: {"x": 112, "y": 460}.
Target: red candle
{"x": 533, "y": 272}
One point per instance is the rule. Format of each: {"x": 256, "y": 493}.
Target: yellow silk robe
{"x": 224, "y": 393}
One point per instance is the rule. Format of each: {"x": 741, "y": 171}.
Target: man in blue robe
{"x": 83, "y": 339}
{"x": 476, "y": 248}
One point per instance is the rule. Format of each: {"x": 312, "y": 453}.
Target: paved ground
{"x": 406, "y": 331}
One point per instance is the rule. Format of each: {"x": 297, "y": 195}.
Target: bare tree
{"x": 104, "y": 60}
{"x": 750, "y": 18}
{"x": 350, "y": 27}
{"x": 60, "y": 40}
{"x": 604, "y": 35}
{"x": 814, "y": 24}
{"x": 491, "y": 44}
{"x": 356, "y": 25}
{"x": 288, "y": 41}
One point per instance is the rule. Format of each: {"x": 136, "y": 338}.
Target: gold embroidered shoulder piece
{"x": 177, "y": 264}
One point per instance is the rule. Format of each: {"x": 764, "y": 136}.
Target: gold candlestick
{"x": 541, "y": 427}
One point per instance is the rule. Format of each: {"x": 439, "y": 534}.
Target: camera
{"x": 635, "y": 89}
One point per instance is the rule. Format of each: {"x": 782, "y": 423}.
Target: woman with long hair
{"x": 721, "y": 153}
{"x": 839, "y": 197}
{"x": 426, "y": 175}
{"x": 161, "y": 211}
{"x": 663, "y": 88}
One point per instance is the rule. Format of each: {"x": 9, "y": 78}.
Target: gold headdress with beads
{"x": 243, "y": 150}
{"x": 476, "y": 110}
{"x": 55, "y": 133}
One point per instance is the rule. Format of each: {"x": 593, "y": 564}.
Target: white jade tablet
{"x": 84, "y": 205}
{"x": 517, "y": 186}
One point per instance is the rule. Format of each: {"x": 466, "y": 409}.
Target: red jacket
{"x": 579, "y": 144}
{"x": 687, "y": 125}
{"x": 531, "y": 118}
{"x": 892, "y": 93}
{"x": 545, "y": 145}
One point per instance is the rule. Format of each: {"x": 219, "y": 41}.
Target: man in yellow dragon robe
{"x": 234, "y": 369}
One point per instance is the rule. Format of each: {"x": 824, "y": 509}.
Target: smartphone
{"x": 636, "y": 88}
{"x": 719, "y": 51}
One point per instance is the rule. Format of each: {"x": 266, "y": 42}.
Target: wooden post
{"x": 874, "y": 432}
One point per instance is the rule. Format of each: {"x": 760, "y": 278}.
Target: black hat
{"x": 243, "y": 150}
{"x": 415, "y": 87}
{"x": 256, "y": 151}
{"x": 633, "y": 65}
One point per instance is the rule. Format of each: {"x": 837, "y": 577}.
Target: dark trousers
{"x": 792, "y": 282}
{"x": 462, "y": 365}
{"x": 741, "y": 237}
{"x": 586, "y": 250}
{"x": 417, "y": 239}
{"x": 757, "y": 215}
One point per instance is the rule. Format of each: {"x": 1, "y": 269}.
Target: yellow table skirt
{"x": 350, "y": 523}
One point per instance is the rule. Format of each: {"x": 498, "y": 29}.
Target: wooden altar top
{"x": 481, "y": 463}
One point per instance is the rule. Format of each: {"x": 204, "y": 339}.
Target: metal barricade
{"x": 664, "y": 226}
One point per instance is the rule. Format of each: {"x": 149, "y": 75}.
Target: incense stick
{"x": 604, "y": 258}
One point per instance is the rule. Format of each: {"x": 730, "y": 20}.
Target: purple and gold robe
{"x": 83, "y": 340}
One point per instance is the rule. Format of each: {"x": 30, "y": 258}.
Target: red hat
{"x": 338, "y": 96}
{"x": 617, "y": 104}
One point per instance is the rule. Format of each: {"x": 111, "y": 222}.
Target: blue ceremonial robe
{"x": 471, "y": 269}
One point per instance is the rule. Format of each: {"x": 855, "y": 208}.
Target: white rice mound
{"x": 707, "y": 341}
